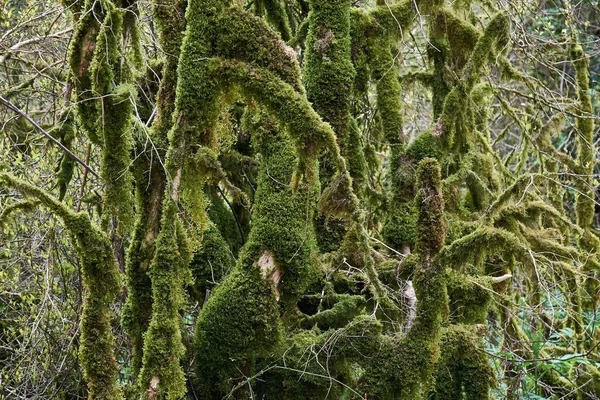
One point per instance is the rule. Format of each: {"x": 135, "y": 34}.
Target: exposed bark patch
{"x": 270, "y": 270}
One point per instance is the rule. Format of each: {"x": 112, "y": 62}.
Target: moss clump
{"x": 457, "y": 119}
{"x": 278, "y": 17}
{"x": 150, "y": 182}
{"x": 428, "y": 200}
{"x": 229, "y": 225}
{"x": 587, "y": 380}
{"x": 328, "y": 70}
{"x": 586, "y": 160}
{"x": 112, "y": 123}
{"x": 400, "y": 228}
{"x": 65, "y": 132}
{"x": 281, "y": 220}
{"x": 239, "y": 324}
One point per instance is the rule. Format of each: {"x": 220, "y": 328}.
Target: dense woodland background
{"x": 290, "y": 199}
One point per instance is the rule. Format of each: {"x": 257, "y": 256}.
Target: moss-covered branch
{"x": 101, "y": 281}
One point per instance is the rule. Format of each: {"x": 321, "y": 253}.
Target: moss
{"x": 150, "y": 183}
{"x": 402, "y": 367}
{"x": 101, "y": 281}
{"x": 396, "y": 18}
{"x": 485, "y": 240}
{"x": 25, "y": 206}
{"x": 328, "y": 70}
{"x": 460, "y": 35}
{"x": 584, "y": 200}
{"x": 281, "y": 220}
{"x": 463, "y": 370}
{"x": 428, "y": 200}
{"x": 307, "y": 371}
{"x": 470, "y": 298}
{"x": 457, "y": 120}
{"x": 587, "y": 380}
{"x": 278, "y": 17}
{"x": 113, "y": 123}
{"x": 240, "y": 321}
{"x": 244, "y": 37}
{"x": 425, "y": 146}
{"x": 389, "y": 96}
{"x": 161, "y": 374}
{"x": 400, "y": 227}
{"x": 81, "y": 53}
{"x": 116, "y": 157}
{"x": 226, "y": 222}
{"x": 211, "y": 262}
{"x": 306, "y": 128}
{"x": 345, "y": 308}
{"x": 65, "y": 131}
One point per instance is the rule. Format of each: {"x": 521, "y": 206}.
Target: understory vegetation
{"x": 299, "y": 199}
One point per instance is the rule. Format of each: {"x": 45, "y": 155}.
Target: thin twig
{"x": 15, "y": 109}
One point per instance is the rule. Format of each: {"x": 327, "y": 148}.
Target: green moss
{"x": 161, "y": 374}
{"x": 225, "y": 221}
{"x": 244, "y": 37}
{"x": 584, "y": 200}
{"x": 113, "y": 123}
{"x": 328, "y": 78}
{"x": 280, "y": 215}
{"x": 25, "y": 206}
{"x": 338, "y": 310}
{"x": 212, "y": 262}
{"x": 463, "y": 370}
{"x": 101, "y": 281}
{"x": 459, "y": 34}
{"x": 470, "y": 298}
{"x": 65, "y": 132}
{"x": 240, "y": 322}
{"x": 400, "y": 227}
{"x": 328, "y": 70}
{"x": 150, "y": 182}
{"x": 423, "y": 146}
{"x": 402, "y": 367}
{"x": 457, "y": 120}
{"x": 428, "y": 200}
{"x": 278, "y": 17}
{"x": 81, "y": 53}
{"x": 389, "y": 96}
{"x": 306, "y": 371}
{"x": 587, "y": 380}
{"x": 306, "y": 128}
